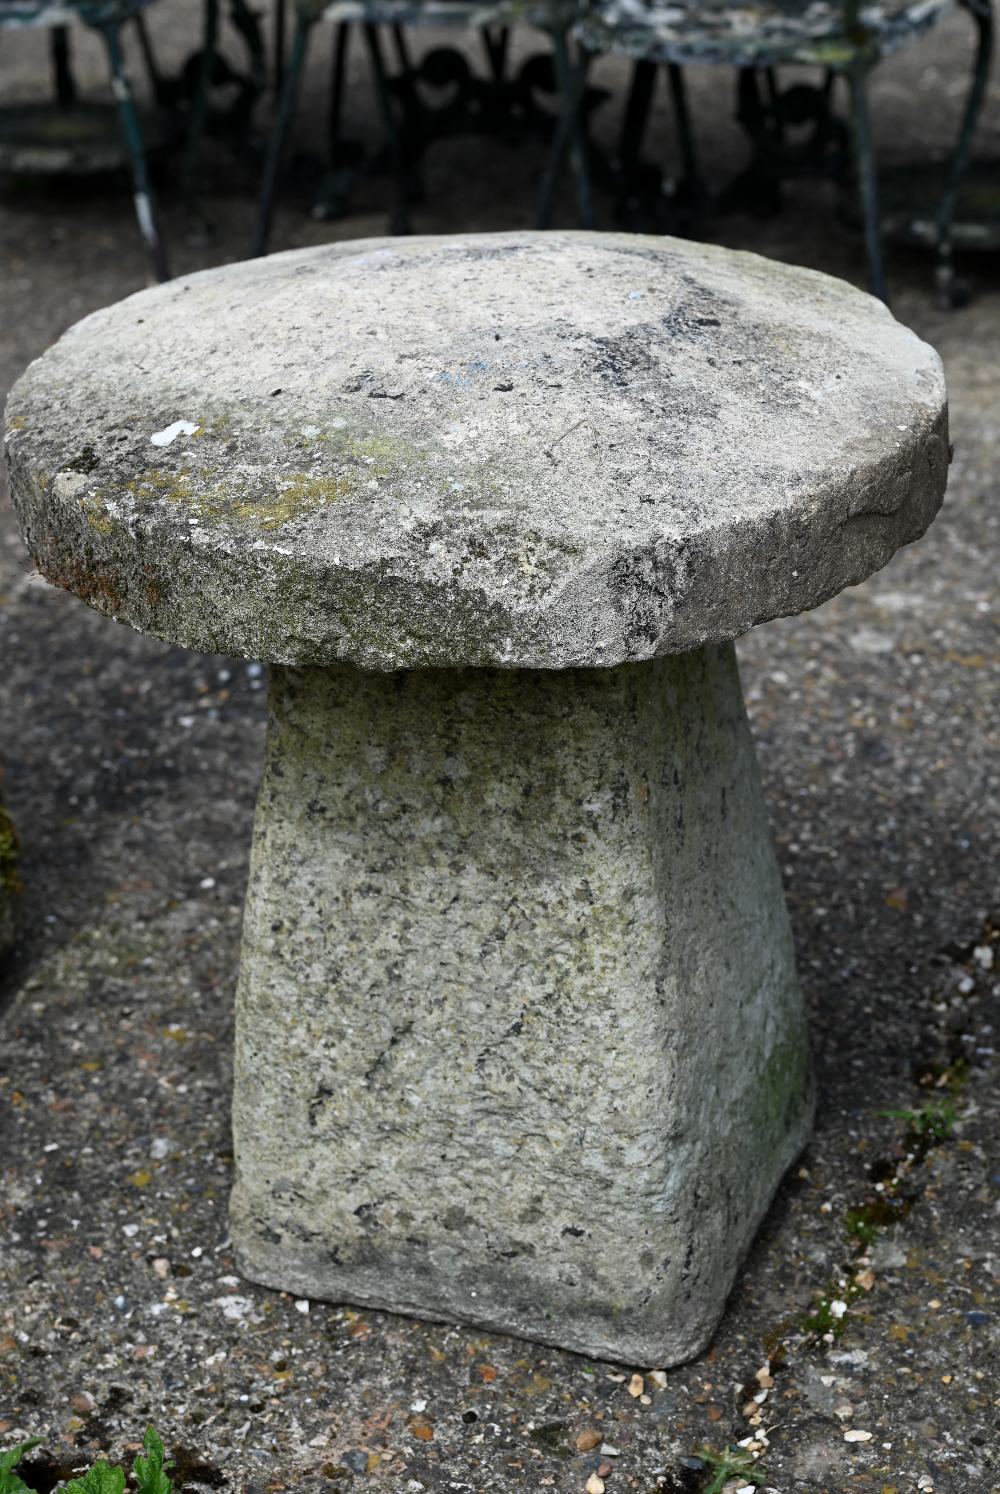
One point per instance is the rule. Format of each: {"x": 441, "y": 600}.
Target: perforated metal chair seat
{"x": 547, "y": 15}
{"x": 753, "y": 35}
{"x": 41, "y": 13}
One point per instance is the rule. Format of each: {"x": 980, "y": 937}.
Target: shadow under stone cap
{"x": 517, "y": 449}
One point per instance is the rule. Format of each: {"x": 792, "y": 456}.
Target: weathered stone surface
{"x": 512, "y": 449}
{"x": 9, "y": 881}
{"x": 519, "y": 1038}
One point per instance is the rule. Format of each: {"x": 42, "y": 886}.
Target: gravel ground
{"x": 869, "y": 1309}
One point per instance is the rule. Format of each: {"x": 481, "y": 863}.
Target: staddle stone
{"x": 519, "y": 1038}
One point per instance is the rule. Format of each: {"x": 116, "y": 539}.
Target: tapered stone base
{"x": 519, "y": 1040}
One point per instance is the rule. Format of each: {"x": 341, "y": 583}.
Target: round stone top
{"x": 519, "y": 449}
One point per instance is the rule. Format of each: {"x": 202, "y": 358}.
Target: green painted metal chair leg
{"x": 399, "y": 219}
{"x": 692, "y": 176}
{"x": 195, "y": 132}
{"x": 279, "y": 135}
{"x": 496, "y": 45}
{"x": 578, "y": 131}
{"x": 280, "y": 28}
{"x": 246, "y": 23}
{"x": 142, "y": 189}
{"x": 634, "y": 124}
{"x": 982, "y": 13}
{"x": 62, "y": 69}
{"x": 867, "y": 178}
{"x": 571, "y": 94}
{"x": 338, "y": 66}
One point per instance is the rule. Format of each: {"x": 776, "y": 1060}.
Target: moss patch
{"x": 10, "y": 881}
{"x": 298, "y": 494}
{"x": 97, "y": 516}
{"x": 217, "y": 492}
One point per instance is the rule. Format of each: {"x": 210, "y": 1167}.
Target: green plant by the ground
{"x": 935, "y": 1119}
{"x": 9, "y": 1481}
{"x": 731, "y": 1462}
{"x": 149, "y": 1472}
{"x": 100, "y": 1478}
{"x": 9, "y": 879}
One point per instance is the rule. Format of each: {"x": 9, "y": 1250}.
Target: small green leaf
{"x": 731, "y": 1462}
{"x": 100, "y": 1478}
{"x": 9, "y": 1481}
{"x": 150, "y": 1470}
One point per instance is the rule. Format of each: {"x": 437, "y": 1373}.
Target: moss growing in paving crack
{"x": 928, "y": 1126}
{"x": 936, "y": 1119}
{"x": 10, "y": 880}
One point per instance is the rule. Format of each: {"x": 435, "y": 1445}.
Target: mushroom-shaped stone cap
{"x": 519, "y": 449}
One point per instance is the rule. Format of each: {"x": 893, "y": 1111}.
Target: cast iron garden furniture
{"x": 492, "y": 18}
{"x": 844, "y": 38}
{"x": 107, "y": 17}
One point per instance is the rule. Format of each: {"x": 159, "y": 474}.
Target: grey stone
{"x": 519, "y": 1036}
{"x": 515, "y": 449}
{"x": 519, "y": 1039}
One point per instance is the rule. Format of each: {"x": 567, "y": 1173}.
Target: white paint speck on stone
{"x": 170, "y": 433}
